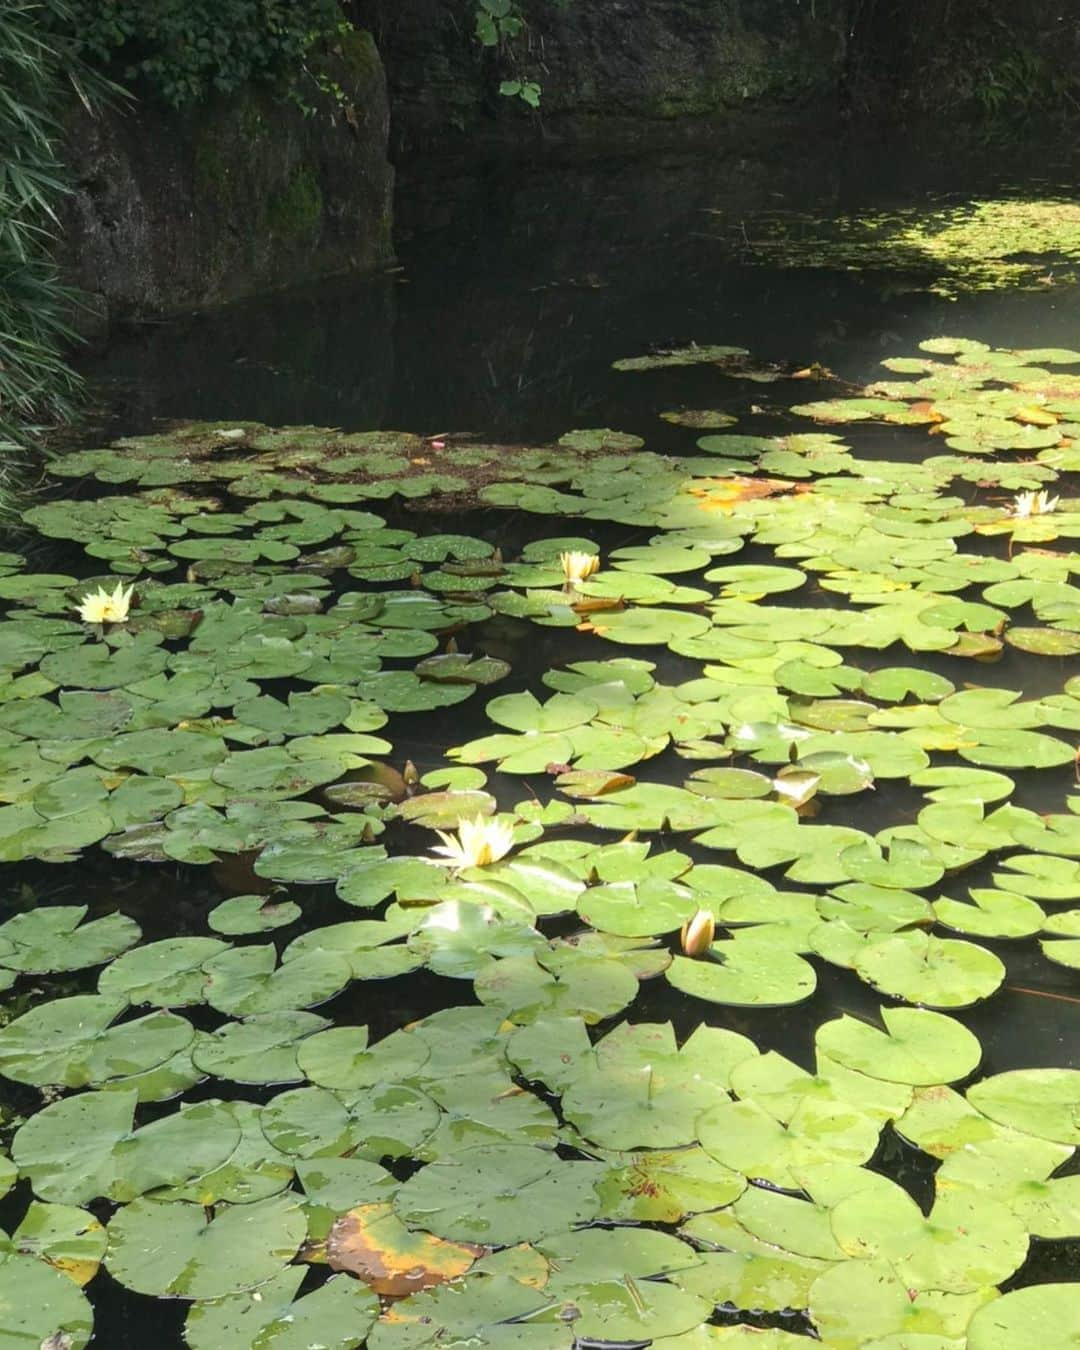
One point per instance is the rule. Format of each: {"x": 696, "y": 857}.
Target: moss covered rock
{"x": 238, "y": 196}
{"x": 613, "y": 67}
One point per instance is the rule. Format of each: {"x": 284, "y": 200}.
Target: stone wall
{"x": 980, "y": 58}
{"x": 172, "y": 211}
{"x": 609, "y": 69}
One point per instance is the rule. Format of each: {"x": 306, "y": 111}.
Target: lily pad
{"x": 338, "y": 1315}
{"x": 54, "y": 938}
{"x": 938, "y": 972}
{"x": 166, "y": 974}
{"x": 39, "y": 1305}
{"x": 1041, "y": 1316}
{"x": 1042, "y": 1102}
{"x": 499, "y": 1195}
{"x": 244, "y": 914}
{"x": 247, "y": 980}
{"x": 917, "y": 1047}
{"x": 745, "y": 1138}
{"x": 644, "y": 1091}
{"x": 753, "y": 973}
{"x": 342, "y": 1059}
{"x": 83, "y": 1147}
{"x": 176, "y": 1250}
{"x": 373, "y": 1244}
{"x": 260, "y": 1049}
{"x": 70, "y": 1042}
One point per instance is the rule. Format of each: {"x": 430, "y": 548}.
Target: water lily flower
{"x": 477, "y": 843}
{"x": 102, "y": 607}
{"x": 697, "y": 933}
{"x": 578, "y": 566}
{"x": 1033, "y": 504}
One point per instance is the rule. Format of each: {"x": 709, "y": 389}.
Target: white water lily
{"x": 1033, "y": 504}
{"x": 698, "y": 932}
{"x": 477, "y": 843}
{"x": 578, "y": 566}
{"x": 102, "y": 607}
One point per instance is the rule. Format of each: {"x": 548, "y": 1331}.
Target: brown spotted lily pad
{"x": 373, "y": 1244}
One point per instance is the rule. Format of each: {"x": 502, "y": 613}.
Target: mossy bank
{"x": 241, "y": 195}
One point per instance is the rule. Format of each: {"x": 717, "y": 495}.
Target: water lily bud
{"x": 698, "y": 932}
{"x": 409, "y": 774}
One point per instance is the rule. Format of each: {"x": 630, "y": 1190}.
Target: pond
{"x": 549, "y": 811}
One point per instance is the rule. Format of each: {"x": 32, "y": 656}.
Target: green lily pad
{"x": 166, "y": 974}
{"x": 246, "y": 980}
{"x": 528, "y": 987}
{"x": 993, "y": 914}
{"x": 855, "y": 1303}
{"x": 83, "y": 1147}
{"x": 176, "y": 1250}
{"x": 499, "y": 1195}
{"x": 605, "y": 1276}
{"x": 54, "y": 938}
{"x": 754, "y": 1282}
{"x": 938, "y": 972}
{"x": 916, "y": 1047}
{"x": 459, "y": 940}
{"x": 664, "y": 1187}
{"x": 1041, "y": 1316}
{"x": 481, "y": 1308}
{"x": 39, "y": 1305}
{"x": 254, "y": 1171}
{"x": 1017, "y": 750}
{"x": 390, "y": 1120}
{"x": 967, "y": 1241}
{"x": 338, "y": 1315}
{"x": 342, "y": 1059}
{"x": 95, "y": 666}
{"x": 908, "y": 866}
{"x": 524, "y": 712}
{"x": 643, "y": 1091}
{"x": 1042, "y": 1102}
{"x": 260, "y": 1049}
{"x": 747, "y": 1139}
{"x": 70, "y": 1239}
{"x": 244, "y": 914}
{"x": 69, "y": 1042}
{"x": 780, "y": 1087}
{"x": 752, "y": 973}
{"x": 649, "y": 907}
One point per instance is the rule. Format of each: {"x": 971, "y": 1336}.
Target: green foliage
{"x": 991, "y": 58}
{"x": 498, "y": 23}
{"x": 166, "y": 736}
{"x": 186, "y": 50}
{"x": 36, "y": 384}
{"x": 497, "y": 20}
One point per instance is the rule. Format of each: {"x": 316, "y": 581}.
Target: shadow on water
{"x": 521, "y": 281}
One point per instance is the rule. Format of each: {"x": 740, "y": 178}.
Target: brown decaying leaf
{"x": 724, "y": 494}
{"x": 596, "y": 604}
{"x": 373, "y": 1244}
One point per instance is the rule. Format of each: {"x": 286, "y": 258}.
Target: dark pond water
{"x": 518, "y": 285}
